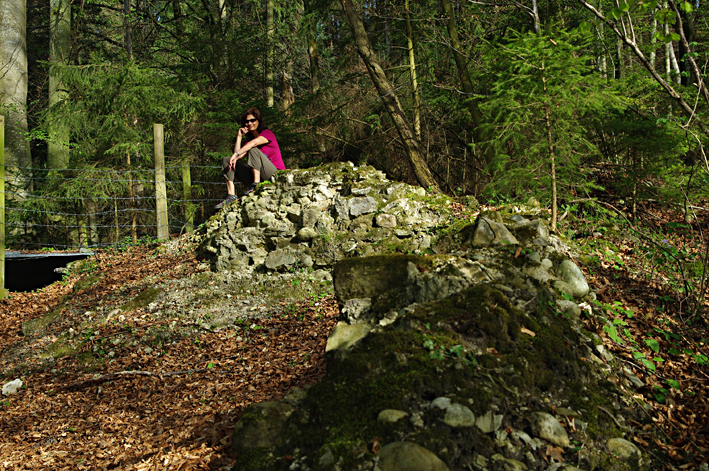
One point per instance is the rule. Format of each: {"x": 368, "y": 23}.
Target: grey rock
{"x": 605, "y": 354}
{"x": 566, "y": 412}
{"x": 569, "y": 308}
{"x": 385, "y": 220}
{"x": 489, "y": 423}
{"x": 534, "y": 257}
{"x": 295, "y": 396}
{"x": 519, "y": 435}
{"x": 391, "y": 416}
{"x": 416, "y": 420}
{"x": 324, "y": 224}
{"x": 636, "y": 382}
{"x": 279, "y": 258}
{"x": 355, "y": 308}
{"x": 573, "y": 277}
{"x": 539, "y": 271}
{"x": 307, "y": 234}
{"x": 623, "y": 449}
{"x": 362, "y": 205}
{"x": 293, "y": 212}
{"x": 361, "y": 191}
{"x": 260, "y": 426}
{"x": 340, "y": 209}
{"x": 408, "y": 456}
{"x": 456, "y": 415}
{"x": 531, "y": 232}
{"x": 322, "y": 275}
{"x": 306, "y": 260}
{"x": 488, "y": 232}
{"x": 326, "y": 461}
{"x": 495, "y": 216}
{"x": 344, "y": 335}
{"x": 310, "y": 217}
{"x": 507, "y": 464}
{"x": 546, "y": 427}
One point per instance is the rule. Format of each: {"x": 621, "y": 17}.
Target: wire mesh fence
{"x": 95, "y": 207}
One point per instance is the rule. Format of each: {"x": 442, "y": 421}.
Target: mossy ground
{"x": 468, "y": 347}
{"x": 35, "y": 325}
{"x": 142, "y": 300}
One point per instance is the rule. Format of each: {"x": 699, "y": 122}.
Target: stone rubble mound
{"x": 315, "y": 217}
{"x": 465, "y": 354}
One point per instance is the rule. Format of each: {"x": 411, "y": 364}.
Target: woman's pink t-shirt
{"x": 271, "y": 149}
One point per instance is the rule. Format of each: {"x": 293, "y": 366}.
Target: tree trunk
{"x": 672, "y": 66}
{"x": 270, "y": 33}
{"x": 59, "y": 50}
{"x": 128, "y": 29}
{"x": 464, "y": 77}
{"x": 535, "y": 17}
{"x": 653, "y": 41}
{"x": 618, "y": 59}
{"x": 314, "y": 57}
{"x": 686, "y": 48}
{"x": 187, "y": 195}
{"x": 131, "y": 196}
{"x": 177, "y": 16}
{"x": 412, "y": 73}
{"x": 552, "y": 158}
{"x": 287, "y": 73}
{"x": 13, "y": 87}
{"x": 389, "y": 99}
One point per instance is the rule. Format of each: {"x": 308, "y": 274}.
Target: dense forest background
{"x": 502, "y": 100}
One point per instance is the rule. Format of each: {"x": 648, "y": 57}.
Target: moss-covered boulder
{"x": 466, "y": 357}
{"x": 449, "y": 367}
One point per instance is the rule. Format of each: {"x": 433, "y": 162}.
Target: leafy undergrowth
{"x": 161, "y": 401}
{"x": 647, "y": 278}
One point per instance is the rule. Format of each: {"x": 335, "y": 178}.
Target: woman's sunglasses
{"x": 250, "y": 121}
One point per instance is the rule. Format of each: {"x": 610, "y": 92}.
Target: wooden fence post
{"x": 2, "y": 207}
{"x": 187, "y": 195}
{"x": 160, "y": 189}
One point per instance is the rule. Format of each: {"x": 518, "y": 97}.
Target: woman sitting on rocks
{"x": 263, "y": 156}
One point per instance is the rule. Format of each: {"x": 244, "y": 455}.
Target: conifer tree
{"x": 538, "y": 116}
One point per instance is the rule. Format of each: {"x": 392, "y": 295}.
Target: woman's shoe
{"x": 251, "y": 188}
{"x": 229, "y": 199}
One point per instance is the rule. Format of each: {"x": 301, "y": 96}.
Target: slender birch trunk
{"x": 412, "y": 73}
{"x": 270, "y": 33}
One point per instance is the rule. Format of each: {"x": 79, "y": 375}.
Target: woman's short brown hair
{"x": 256, "y": 114}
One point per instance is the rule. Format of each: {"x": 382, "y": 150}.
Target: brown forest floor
{"x": 174, "y": 408}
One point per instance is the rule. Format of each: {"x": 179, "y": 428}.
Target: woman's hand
{"x": 243, "y": 131}
{"x": 232, "y": 161}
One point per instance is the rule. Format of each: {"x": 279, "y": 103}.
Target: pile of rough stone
{"x": 315, "y": 217}
{"x": 469, "y": 356}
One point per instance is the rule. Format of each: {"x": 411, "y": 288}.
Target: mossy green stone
{"x": 142, "y": 300}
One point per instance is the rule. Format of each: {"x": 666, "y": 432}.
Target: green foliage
{"x": 535, "y": 112}
{"x": 111, "y": 109}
